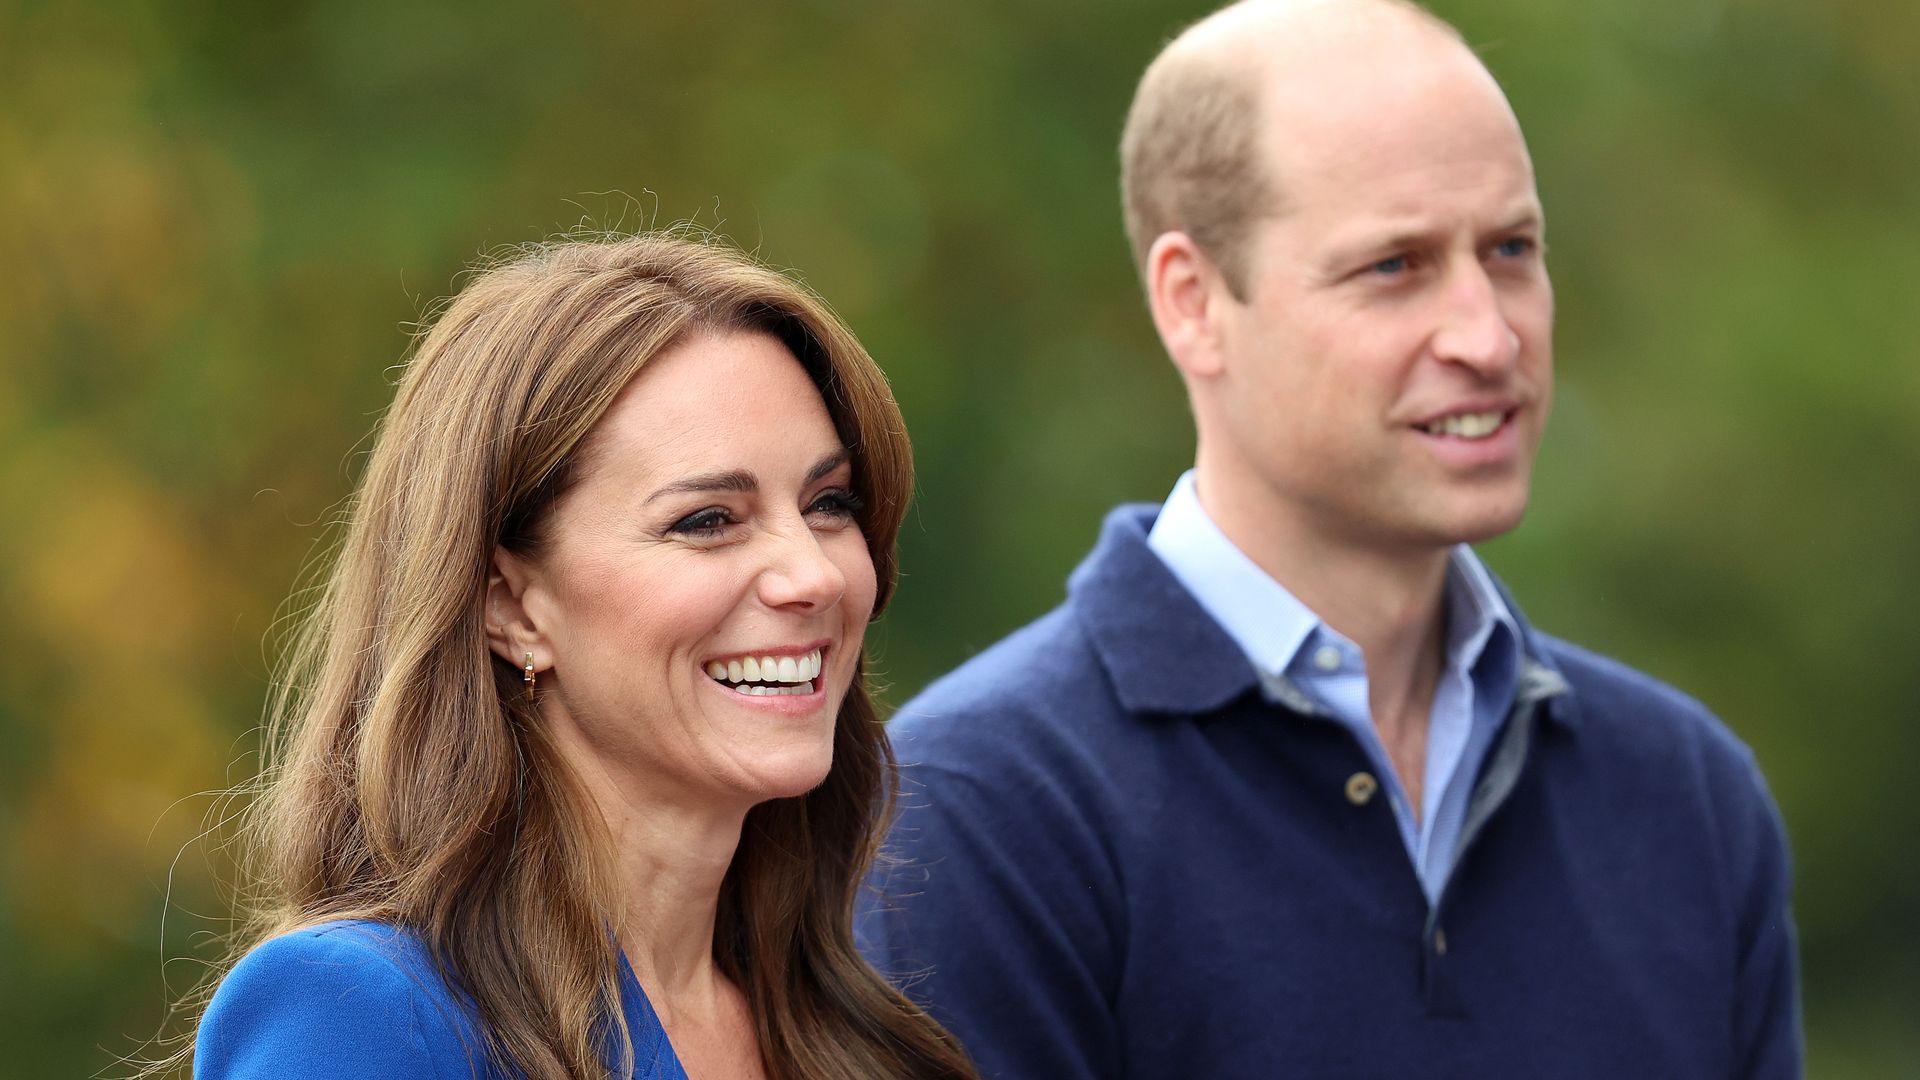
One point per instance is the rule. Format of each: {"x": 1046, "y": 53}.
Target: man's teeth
{"x": 786, "y": 674}
{"x": 1477, "y": 425}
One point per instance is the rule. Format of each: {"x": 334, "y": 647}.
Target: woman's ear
{"x": 512, "y": 630}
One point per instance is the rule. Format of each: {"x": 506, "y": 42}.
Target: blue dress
{"x": 363, "y": 999}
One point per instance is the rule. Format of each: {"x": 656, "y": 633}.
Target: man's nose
{"x": 799, "y": 574}
{"x": 1474, "y": 330}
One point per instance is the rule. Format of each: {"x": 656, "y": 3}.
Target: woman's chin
{"x": 790, "y": 775}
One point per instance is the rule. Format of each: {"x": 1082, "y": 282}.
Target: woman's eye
{"x": 702, "y": 523}
{"x": 839, "y": 504}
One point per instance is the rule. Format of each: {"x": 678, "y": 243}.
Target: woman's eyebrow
{"x": 742, "y": 480}
{"x": 826, "y": 465}
{"x": 727, "y": 480}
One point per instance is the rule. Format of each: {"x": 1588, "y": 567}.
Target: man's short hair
{"x": 1189, "y": 161}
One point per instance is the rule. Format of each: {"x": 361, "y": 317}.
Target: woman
{"x": 576, "y": 774}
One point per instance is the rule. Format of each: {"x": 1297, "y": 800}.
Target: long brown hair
{"x": 408, "y": 777}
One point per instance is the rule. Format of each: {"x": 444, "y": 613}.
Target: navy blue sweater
{"x": 1121, "y": 855}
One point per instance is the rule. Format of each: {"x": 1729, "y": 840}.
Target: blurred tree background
{"x": 219, "y": 221}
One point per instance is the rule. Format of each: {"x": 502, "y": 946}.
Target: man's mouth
{"x": 763, "y": 676}
{"x": 1469, "y": 425}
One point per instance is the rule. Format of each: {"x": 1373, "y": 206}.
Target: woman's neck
{"x": 668, "y": 865}
{"x": 670, "y": 851}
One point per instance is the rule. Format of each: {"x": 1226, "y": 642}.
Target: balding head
{"x": 1192, "y": 155}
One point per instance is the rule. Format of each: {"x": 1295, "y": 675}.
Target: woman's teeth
{"x": 1466, "y": 425}
{"x": 774, "y": 691}
{"x": 762, "y": 676}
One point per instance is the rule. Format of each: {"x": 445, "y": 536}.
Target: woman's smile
{"x": 783, "y": 670}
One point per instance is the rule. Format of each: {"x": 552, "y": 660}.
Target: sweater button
{"x": 1360, "y": 788}
{"x": 1439, "y": 943}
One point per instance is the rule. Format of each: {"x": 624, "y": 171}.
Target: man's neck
{"x": 1388, "y": 600}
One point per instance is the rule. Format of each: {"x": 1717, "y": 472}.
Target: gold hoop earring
{"x": 529, "y": 675}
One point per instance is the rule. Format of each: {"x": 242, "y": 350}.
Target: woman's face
{"x": 703, "y": 587}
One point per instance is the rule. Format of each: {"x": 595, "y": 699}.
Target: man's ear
{"x": 512, "y": 629}
{"x": 1189, "y": 300}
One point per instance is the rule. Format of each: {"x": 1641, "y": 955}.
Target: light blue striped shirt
{"x": 1286, "y": 641}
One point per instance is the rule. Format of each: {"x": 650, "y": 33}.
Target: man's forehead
{"x": 1398, "y": 161}
{"x": 1409, "y": 202}
{"x": 1394, "y": 156}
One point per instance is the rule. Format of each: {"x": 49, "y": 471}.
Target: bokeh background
{"x": 220, "y": 220}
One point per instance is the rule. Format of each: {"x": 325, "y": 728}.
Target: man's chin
{"x": 1480, "y": 524}
{"x": 1467, "y": 520}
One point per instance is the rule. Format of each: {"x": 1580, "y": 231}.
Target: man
{"x": 1288, "y": 786}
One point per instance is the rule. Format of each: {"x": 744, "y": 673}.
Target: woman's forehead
{"x": 732, "y": 400}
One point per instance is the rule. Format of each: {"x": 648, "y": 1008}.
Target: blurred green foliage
{"x": 219, "y": 222}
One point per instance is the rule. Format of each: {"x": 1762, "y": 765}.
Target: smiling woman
{"x": 710, "y": 525}
{"x": 574, "y": 772}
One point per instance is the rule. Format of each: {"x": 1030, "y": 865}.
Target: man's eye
{"x": 706, "y": 522}
{"x": 1514, "y": 248}
{"x": 1390, "y": 267}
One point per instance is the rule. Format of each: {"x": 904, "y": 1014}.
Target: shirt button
{"x": 1439, "y": 943}
{"x": 1326, "y": 658}
{"x": 1360, "y": 788}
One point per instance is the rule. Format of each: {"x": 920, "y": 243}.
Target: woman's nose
{"x": 799, "y": 572}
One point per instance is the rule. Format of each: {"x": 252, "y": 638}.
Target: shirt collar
{"x": 1163, "y": 653}
{"x": 1261, "y": 616}
{"x": 1483, "y": 637}
{"x": 1273, "y": 628}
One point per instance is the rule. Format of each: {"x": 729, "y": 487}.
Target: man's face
{"x": 1389, "y": 374}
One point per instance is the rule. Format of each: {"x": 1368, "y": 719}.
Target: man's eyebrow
{"x": 1529, "y": 218}
{"x": 1417, "y": 236}
{"x": 727, "y": 480}
{"x": 1383, "y": 239}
